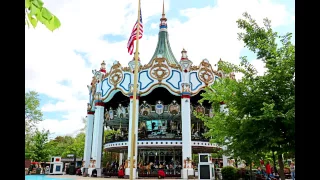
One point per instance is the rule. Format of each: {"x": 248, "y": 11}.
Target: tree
{"x": 33, "y": 115}
{"x": 35, "y": 12}
{"x": 38, "y": 151}
{"x": 261, "y": 109}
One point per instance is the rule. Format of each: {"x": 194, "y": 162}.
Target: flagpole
{"x": 134, "y": 102}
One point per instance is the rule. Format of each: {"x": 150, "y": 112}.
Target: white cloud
{"x": 209, "y": 32}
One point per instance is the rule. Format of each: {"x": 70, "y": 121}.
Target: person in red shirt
{"x": 268, "y": 169}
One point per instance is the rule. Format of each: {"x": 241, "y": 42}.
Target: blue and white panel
{"x": 125, "y": 83}
{"x": 105, "y": 87}
{"x": 145, "y": 81}
{"x": 174, "y": 80}
{"x": 195, "y": 82}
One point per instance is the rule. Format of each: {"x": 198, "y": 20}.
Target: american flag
{"x": 133, "y": 35}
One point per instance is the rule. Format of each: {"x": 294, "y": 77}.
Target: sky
{"x": 59, "y": 64}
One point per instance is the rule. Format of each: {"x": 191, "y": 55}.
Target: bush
{"x": 228, "y": 173}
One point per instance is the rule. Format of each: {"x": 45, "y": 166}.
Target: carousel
{"x": 168, "y": 134}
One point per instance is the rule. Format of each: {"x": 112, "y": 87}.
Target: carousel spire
{"x": 163, "y": 49}
{"x": 163, "y": 20}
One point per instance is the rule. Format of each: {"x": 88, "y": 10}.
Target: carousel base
{"x": 187, "y": 172}
{"x": 135, "y": 175}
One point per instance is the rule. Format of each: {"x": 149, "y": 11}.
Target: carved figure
{"x": 145, "y": 109}
{"x": 174, "y": 108}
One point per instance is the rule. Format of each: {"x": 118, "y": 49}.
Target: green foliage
{"x": 228, "y": 173}
{"x": 35, "y": 12}
{"x": 261, "y": 109}
{"x": 38, "y": 152}
{"x": 33, "y": 115}
{"x": 64, "y": 145}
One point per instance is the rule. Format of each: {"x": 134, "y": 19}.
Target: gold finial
{"x": 163, "y": 7}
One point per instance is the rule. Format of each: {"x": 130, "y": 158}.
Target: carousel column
{"x": 130, "y": 148}
{"x": 186, "y": 116}
{"x": 186, "y": 135}
{"x": 120, "y": 158}
{"x": 97, "y": 136}
{"x": 88, "y": 141}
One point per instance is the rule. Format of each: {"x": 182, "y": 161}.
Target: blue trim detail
{"x": 140, "y": 83}
{"x": 185, "y": 93}
{"x": 124, "y": 77}
{"x": 192, "y": 89}
{"x": 172, "y": 76}
{"x": 163, "y": 26}
{"x": 103, "y": 94}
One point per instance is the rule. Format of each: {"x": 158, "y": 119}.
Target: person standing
{"x": 293, "y": 170}
{"x": 268, "y": 169}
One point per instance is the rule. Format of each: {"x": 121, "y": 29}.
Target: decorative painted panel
{"x": 144, "y": 80}
{"x": 105, "y": 87}
{"x": 126, "y": 81}
{"x": 195, "y": 81}
{"x": 174, "y": 80}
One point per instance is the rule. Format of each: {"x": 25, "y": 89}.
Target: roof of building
{"x": 163, "y": 49}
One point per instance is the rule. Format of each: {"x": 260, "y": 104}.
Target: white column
{"x": 88, "y": 141}
{"x": 186, "y": 135}
{"x": 127, "y": 171}
{"x": 97, "y": 136}
{"x": 120, "y": 158}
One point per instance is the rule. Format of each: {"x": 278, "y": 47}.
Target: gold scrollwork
{"x": 194, "y": 68}
{"x": 125, "y": 69}
{"x": 160, "y": 70}
{"x": 206, "y": 75}
{"x": 116, "y": 77}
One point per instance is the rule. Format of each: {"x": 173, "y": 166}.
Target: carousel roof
{"x": 163, "y": 48}
{"x": 163, "y": 70}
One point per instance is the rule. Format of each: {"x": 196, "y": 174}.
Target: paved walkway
{"x": 74, "y": 177}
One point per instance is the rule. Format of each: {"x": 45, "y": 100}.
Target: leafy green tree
{"x": 38, "y": 151}
{"x": 35, "y": 12}
{"x": 33, "y": 116}
{"x": 261, "y": 109}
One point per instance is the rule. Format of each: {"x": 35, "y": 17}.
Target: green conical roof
{"x": 163, "y": 49}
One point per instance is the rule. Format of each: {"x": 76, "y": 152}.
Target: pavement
{"x": 74, "y": 177}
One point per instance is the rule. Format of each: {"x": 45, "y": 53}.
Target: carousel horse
{"x": 141, "y": 168}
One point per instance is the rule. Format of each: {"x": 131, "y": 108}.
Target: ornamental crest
{"x": 160, "y": 70}
{"x": 145, "y": 109}
{"x": 116, "y": 74}
{"x": 159, "y": 107}
{"x": 174, "y": 108}
{"x": 205, "y": 73}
